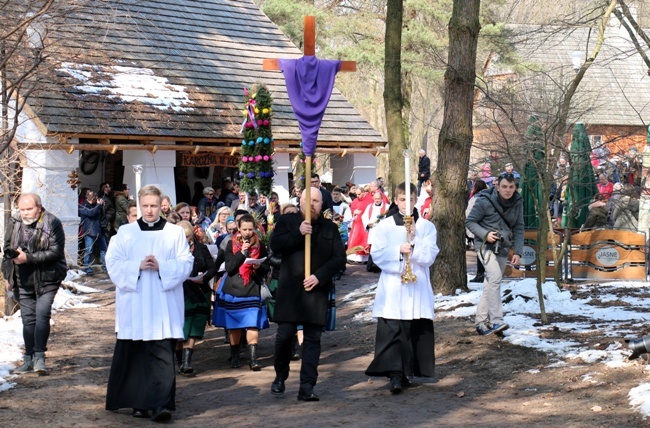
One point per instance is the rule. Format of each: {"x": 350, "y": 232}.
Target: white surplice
{"x": 393, "y": 299}
{"x": 149, "y": 305}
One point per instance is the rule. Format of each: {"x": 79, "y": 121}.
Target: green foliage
{"x": 256, "y": 162}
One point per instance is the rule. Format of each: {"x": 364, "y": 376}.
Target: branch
{"x": 573, "y": 87}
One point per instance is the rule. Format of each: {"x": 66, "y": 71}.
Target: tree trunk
{"x": 393, "y": 101}
{"x": 454, "y": 144}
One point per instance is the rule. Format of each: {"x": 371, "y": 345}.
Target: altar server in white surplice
{"x": 404, "y": 345}
{"x": 147, "y": 260}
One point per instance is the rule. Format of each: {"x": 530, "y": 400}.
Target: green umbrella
{"x": 582, "y": 181}
{"x": 531, "y": 191}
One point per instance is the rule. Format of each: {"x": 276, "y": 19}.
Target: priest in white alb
{"x": 404, "y": 344}
{"x": 147, "y": 260}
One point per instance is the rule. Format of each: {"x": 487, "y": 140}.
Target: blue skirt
{"x": 239, "y": 312}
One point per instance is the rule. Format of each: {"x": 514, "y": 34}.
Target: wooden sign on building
{"x": 209, "y": 159}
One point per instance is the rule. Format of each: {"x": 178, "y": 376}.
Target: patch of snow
{"x": 129, "y": 84}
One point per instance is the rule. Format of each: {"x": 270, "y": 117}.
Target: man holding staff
{"x": 303, "y": 301}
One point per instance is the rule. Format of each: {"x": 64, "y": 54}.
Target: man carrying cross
{"x": 309, "y": 82}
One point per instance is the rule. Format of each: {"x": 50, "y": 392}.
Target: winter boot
{"x": 186, "y": 366}
{"x": 27, "y": 366}
{"x": 478, "y": 278}
{"x": 39, "y": 363}
{"x": 179, "y": 359}
{"x": 234, "y": 356}
{"x": 254, "y": 365}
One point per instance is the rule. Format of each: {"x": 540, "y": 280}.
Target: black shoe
{"x": 478, "y": 278}
{"x": 396, "y": 386}
{"x": 277, "y": 387}
{"x": 161, "y": 414}
{"x": 137, "y": 413}
{"x": 307, "y": 395}
{"x": 406, "y": 382}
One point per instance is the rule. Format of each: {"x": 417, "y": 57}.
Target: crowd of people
{"x": 618, "y": 180}
{"x": 236, "y": 261}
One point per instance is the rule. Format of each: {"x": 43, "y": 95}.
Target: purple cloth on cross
{"x": 309, "y": 83}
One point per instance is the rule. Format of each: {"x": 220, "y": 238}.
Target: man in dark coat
{"x": 90, "y": 212}
{"x": 34, "y": 266}
{"x": 301, "y": 301}
{"x": 424, "y": 168}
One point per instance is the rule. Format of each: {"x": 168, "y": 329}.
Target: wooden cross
{"x": 309, "y": 48}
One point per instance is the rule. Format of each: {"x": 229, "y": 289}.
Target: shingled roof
{"x": 175, "y": 71}
{"x": 615, "y": 89}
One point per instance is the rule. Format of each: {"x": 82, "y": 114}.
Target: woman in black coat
{"x": 239, "y": 306}
{"x": 196, "y": 293}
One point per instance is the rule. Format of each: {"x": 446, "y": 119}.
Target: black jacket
{"x": 234, "y": 284}
{"x": 293, "y": 303}
{"x": 203, "y": 262}
{"x": 46, "y": 266}
{"x": 424, "y": 167}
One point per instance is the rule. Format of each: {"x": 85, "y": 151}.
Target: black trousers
{"x": 36, "y": 312}
{"x": 310, "y": 352}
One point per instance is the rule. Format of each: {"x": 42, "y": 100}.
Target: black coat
{"x": 203, "y": 262}
{"x": 46, "y": 266}
{"x": 293, "y": 303}
{"x": 234, "y": 284}
{"x": 424, "y": 167}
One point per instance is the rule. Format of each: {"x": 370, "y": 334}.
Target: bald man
{"x": 303, "y": 301}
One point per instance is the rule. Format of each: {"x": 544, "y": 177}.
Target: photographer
{"x": 497, "y": 222}
{"x": 34, "y": 266}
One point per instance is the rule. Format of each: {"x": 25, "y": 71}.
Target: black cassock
{"x": 405, "y": 347}
{"x": 143, "y": 375}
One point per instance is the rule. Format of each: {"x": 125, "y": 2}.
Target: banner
{"x": 209, "y": 159}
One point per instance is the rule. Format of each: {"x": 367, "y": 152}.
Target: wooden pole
{"x": 308, "y": 215}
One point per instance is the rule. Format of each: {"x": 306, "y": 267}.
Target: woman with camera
{"x": 239, "y": 305}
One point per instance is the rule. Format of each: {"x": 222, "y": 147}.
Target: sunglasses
{"x": 506, "y": 175}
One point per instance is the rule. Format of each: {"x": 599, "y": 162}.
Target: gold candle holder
{"x": 408, "y": 275}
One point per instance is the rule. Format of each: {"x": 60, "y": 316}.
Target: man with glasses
{"x": 497, "y": 222}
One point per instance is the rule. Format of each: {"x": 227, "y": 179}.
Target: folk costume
{"x": 404, "y": 342}
{"x": 149, "y": 314}
{"x": 197, "y": 296}
{"x": 239, "y": 305}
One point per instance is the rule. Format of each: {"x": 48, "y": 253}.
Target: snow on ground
{"x": 11, "y": 328}
{"x": 625, "y": 316}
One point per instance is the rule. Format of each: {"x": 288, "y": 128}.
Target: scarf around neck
{"x": 254, "y": 251}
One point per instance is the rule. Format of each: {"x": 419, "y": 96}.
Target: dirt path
{"x": 482, "y": 382}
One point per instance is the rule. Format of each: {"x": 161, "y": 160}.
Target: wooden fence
{"x": 591, "y": 254}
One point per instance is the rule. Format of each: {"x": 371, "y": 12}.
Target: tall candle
{"x": 407, "y": 181}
